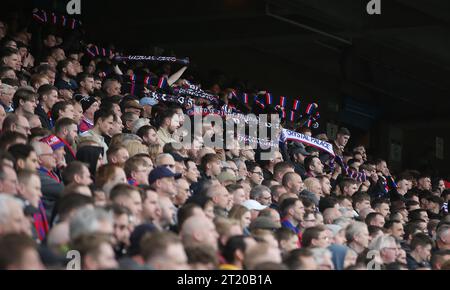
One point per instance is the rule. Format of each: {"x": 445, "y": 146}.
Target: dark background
{"x": 385, "y": 77}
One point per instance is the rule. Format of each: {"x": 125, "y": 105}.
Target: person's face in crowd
{"x": 167, "y": 211}
{"x": 424, "y": 216}
{"x": 121, "y": 229}
{"x": 402, "y": 186}
{"x": 425, "y": 183}
{"x": 30, "y": 163}
{"x": 383, "y": 168}
{"x": 383, "y": 209}
{"x": 350, "y": 259}
{"x": 69, "y": 70}
{"x": 378, "y": 221}
{"x": 105, "y": 125}
{"x": 326, "y": 186}
{"x": 98, "y": 85}
{"x": 316, "y": 188}
{"x": 339, "y": 238}
{"x": 174, "y": 123}
{"x": 401, "y": 255}
{"x": 342, "y": 140}
{"x": 256, "y": 176}
{"x": 116, "y": 128}
{"x": 150, "y": 206}
{"x": 363, "y": 237}
{"x": 77, "y": 113}
{"x": 13, "y": 61}
{"x": 441, "y": 185}
{"x": 167, "y": 186}
{"x": 137, "y": 204}
{"x": 176, "y": 258}
{"x": 209, "y": 210}
{"x": 92, "y": 109}
{"x": 350, "y": 189}
{"x": 28, "y": 106}
{"x": 114, "y": 89}
{"x": 397, "y": 231}
{"x": 151, "y": 137}
{"x": 71, "y": 134}
{"x": 118, "y": 177}
{"x": 309, "y": 221}
{"x": 9, "y": 182}
{"x": 35, "y": 122}
{"x": 290, "y": 244}
{"x": 122, "y": 156}
{"x": 7, "y": 96}
{"x": 298, "y": 211}
{"x": 317, "y": 166}
{"x": 106, "y": 258}
{"x": 180, "y": 168}
{"x": 167, "y": 161}
{"x": 248, "y": 153}
{"x": 47, "y": 159}
{"x": 15, "y": 222}
{"x": 50, "y": 99}
{"x": 246, "y": 219}
{"x": 215, "y": 167}
{"x": 84, "y": 177}
{"x": 424, "y": 252}
{"x": 60, "y": 156}
{"x": 141, "y": 174}
{"x": 192, "y": 172}
{"x": 389, "y": 253}
{"x": 183, "y": 191}
{"x": 239, "y": 196}
{"x": 322, "y": 241}
{"x": 67, "y": 113}
{"x": 242, "y": 170}
{"x": 31, "y": 190}
{"x": 9, "y": 74}
{"x": 2, "y": 29}
{"x": 50, "y": 41}
{"x": 266, "y": 198}
{"x": 65, "y": 95}
{"x": 23, "y": 126}
{"x": 59, "y": 55}
{"x": 296, "y": 185}
{"x": 223, "y": 199}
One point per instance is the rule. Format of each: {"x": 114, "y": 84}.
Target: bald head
{"x": 199, "y": 230}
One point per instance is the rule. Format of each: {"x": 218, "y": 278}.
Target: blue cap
{"x": 161, "y": 172}
{"x": 146, "y": 101}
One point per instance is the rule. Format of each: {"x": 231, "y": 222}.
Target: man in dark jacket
{"x": 48, "y": 96}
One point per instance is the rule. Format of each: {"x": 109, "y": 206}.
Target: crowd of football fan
{"x": 92, "y": 177}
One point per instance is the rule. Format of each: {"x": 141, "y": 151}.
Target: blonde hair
{"x": 135, "y": 147}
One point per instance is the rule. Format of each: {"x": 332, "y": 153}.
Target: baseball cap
{"x": 264, "y": 223}
{"x": 53, "y": 142}
{"x": 147, "y": 101}
{"x": 133, "y": 104}
{"x": 161, "y": 172}
{"x": 299, "y": 148}
{"x": 226, "y": 176}
{"x": 86, "y": 101}
{"x": 252, "y": 204}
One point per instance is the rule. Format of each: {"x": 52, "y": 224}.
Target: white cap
{"x": 252, "y": 204}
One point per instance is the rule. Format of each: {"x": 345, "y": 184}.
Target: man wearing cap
{"x": 254, "y": 207}
{"x": 299, "y": 154}
{"x": 134, "y": 107}
{"x": 90, "y": 105}
{"x": 162, "y": 180}
{"x": 52, "y": 186}
{"x": 48, "y": 96}
{"x": 147, "y": 104}
{"x": 58, "y": 150}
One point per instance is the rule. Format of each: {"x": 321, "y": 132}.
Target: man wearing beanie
{"x": 90, "y": 105}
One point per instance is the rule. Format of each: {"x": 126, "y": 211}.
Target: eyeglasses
{"x": 258, "y": 172}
